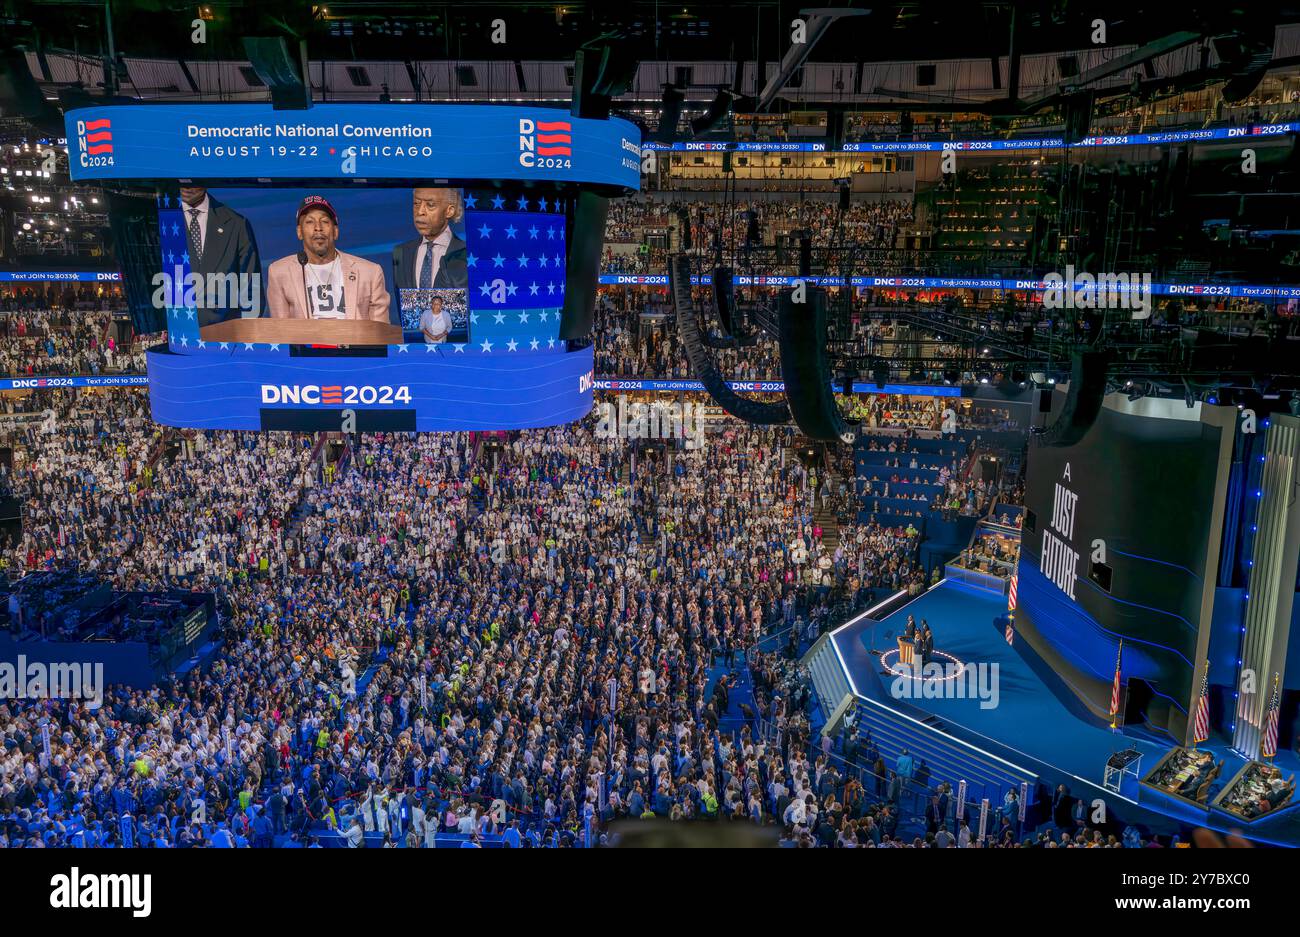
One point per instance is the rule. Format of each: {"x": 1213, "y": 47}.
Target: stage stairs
{"x": 948, "y": 758}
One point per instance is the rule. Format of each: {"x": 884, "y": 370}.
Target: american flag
{"x": 1202, "y": 730}
{"x": 1011, "y": 630}
{"x": 1114, "y": 690}
{"x": 1269, "y": 748}
{"x": 1011, "y": 595}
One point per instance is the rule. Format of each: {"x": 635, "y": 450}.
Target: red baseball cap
{"x": 316, "y": 201}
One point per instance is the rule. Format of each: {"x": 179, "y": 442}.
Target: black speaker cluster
{"x": 1082, "y": 403}
{"x": 805, "y": 365}
{"x": 702, "y": 366}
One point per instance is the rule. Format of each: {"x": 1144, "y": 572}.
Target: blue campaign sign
{"x": 440, "y": 388}
{"x": 455, "y": 142}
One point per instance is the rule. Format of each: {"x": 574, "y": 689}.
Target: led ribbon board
{"x": 59, "y": 276}
{"x": 455, "y": 142}
{"x": 770, "y": 387}
{"x": 1248, "y": 291}
{"x": 1162, "y": 138}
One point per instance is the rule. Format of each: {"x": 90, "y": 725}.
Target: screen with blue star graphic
{"x": 468, "y": 287}
{"x": 493, "y": 282}
{"x": 516, "y": 265}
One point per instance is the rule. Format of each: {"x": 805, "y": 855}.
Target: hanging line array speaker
{"x": 702, "y": 366}
{"x": 805, "y": 364}
{"x": 1082, "y": 401}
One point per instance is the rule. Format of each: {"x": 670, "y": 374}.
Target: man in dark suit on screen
{"x": 221, "y": 242}
{"x": 437, "y": 259}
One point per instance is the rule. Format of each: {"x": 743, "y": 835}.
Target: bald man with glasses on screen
{"x": 437, "y": 259}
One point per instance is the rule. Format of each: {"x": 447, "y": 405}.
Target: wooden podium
{"x": 304, "y": 332}
{"x": 906, "y": 651}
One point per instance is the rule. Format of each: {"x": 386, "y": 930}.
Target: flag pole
{"x": 1201, "y": 723}
{"x": 1114, "y": 693}
{"x": 1011, "y": 610}
{"x": 1268, "y": 749}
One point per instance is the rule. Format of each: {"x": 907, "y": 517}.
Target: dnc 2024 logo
{"x": 545, "y": 144}
{"x": 95, "y": 140}
{"x": 335, "y": 395}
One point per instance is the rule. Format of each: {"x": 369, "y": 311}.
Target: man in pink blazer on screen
{"x": 320, "y": 281}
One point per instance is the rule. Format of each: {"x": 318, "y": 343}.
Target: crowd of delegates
{"x": 635, "y": 335}
{"x": 36, "y": 297}
{"x": 1261, "y": 789}
{"x": 869, "y": 226}
{"x": 626, "y": 347}
{"x": 960, "y": 494}
{"x": 1188, "y": 773}
{"x": 993, "y": 554}
{"x": 423, "y": 638}
{"x": 621, "y": 352}
{"x": 893, "y": 411}
{"x": 965, "y": 496}
{"x": 64, "y": 343}
{"x": 83, "y": 473}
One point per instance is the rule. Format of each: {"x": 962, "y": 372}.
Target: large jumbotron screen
{"x": 399, "y": 266}
{"x": 1144, "y": 487}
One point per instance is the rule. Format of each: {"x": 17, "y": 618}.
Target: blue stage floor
{"x": 1029, "y": 725}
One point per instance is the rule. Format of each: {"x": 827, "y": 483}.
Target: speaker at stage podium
{"x": 906, "y": 651}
